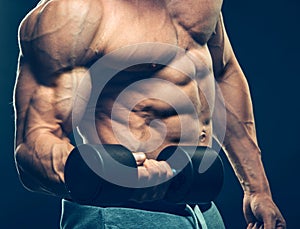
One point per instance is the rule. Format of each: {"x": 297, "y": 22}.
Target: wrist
{"x": 264, "y": 192}
{"x": 255, "y": 189}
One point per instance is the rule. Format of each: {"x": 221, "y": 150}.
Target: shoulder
{"x": 57, "y": 33}
{"x": 59, "y": 17}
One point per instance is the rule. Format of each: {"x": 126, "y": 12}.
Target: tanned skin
{"x": 59, "y": 40}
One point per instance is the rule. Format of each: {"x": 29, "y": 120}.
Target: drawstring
{"x": 190, "y": 210}
{"x": 200, "y": 217}
{"x": 197, "y": 217}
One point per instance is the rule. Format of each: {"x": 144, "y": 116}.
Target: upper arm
{"x": 51, "y": 67}
{"x": 49, "y": 108}
{"x": 227, "y": 70}
{"x": 232, "y": 91}
{"x": 47, "y": 84}
{"x": 221, "y": 51}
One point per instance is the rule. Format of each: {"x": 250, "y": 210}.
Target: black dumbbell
{"x": 199, "y": 182}
{"x": 106, "y": 175}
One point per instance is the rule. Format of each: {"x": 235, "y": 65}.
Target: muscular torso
{"x": 167, "y": 100}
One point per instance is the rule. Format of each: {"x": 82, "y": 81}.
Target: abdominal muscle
{"x": 148, "y": 113}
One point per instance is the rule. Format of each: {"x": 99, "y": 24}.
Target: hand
{"x": 151, "y": 173}
{"x": 261, "y": 212}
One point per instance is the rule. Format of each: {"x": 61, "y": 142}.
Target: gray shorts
{"x": 75, "y": 216}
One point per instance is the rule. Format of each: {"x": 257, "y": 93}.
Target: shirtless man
{"x": 59, "y": 42}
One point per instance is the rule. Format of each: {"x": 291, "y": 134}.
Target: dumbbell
{"x": 106, "y": 175}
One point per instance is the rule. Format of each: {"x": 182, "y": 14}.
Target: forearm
{"x": 245, "y": 157}
{"x": 41, "y": 161}
{"x": 240, "y": 141}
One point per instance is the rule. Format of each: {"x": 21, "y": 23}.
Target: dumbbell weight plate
{"x": 101, "y": 175}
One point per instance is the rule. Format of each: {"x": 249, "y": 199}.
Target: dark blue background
{"x": 265, "y": 37}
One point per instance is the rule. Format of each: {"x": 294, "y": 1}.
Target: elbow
{"x": 21, "y": 158}
{"x": 27, "y": 181}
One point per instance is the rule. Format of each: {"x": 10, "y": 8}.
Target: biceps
{"x": 42, "y": 115}
{"x": 49, "y": 109}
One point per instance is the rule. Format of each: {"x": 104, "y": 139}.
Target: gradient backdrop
{"x": 265, "y": 37}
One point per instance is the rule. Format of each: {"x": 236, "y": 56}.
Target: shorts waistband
{"x": 155, "y": 206}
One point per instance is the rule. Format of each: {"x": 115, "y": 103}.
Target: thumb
{"x": 269, "y": 220}
{"x": 140, "y": 157}
{"x": 248, "y": 214}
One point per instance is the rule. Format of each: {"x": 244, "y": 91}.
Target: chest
{"x": 176, "y": 22}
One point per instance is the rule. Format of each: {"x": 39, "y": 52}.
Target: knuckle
{"x": 153, "y": 168}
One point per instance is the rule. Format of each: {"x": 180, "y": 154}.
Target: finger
{"x": 152, "y": 168}
{"x": 159, "y": 171}
{"x": 169, "y": 172}
{"x": 165, "y": 172}
{"x": 250, "y": 225}
{"x": 143, "y": 173}
{"x": 257, "y": 225}
{"x": 139, "y": 157}
{"x": 281, "y": 224}
{"x": 148, "y": 173}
